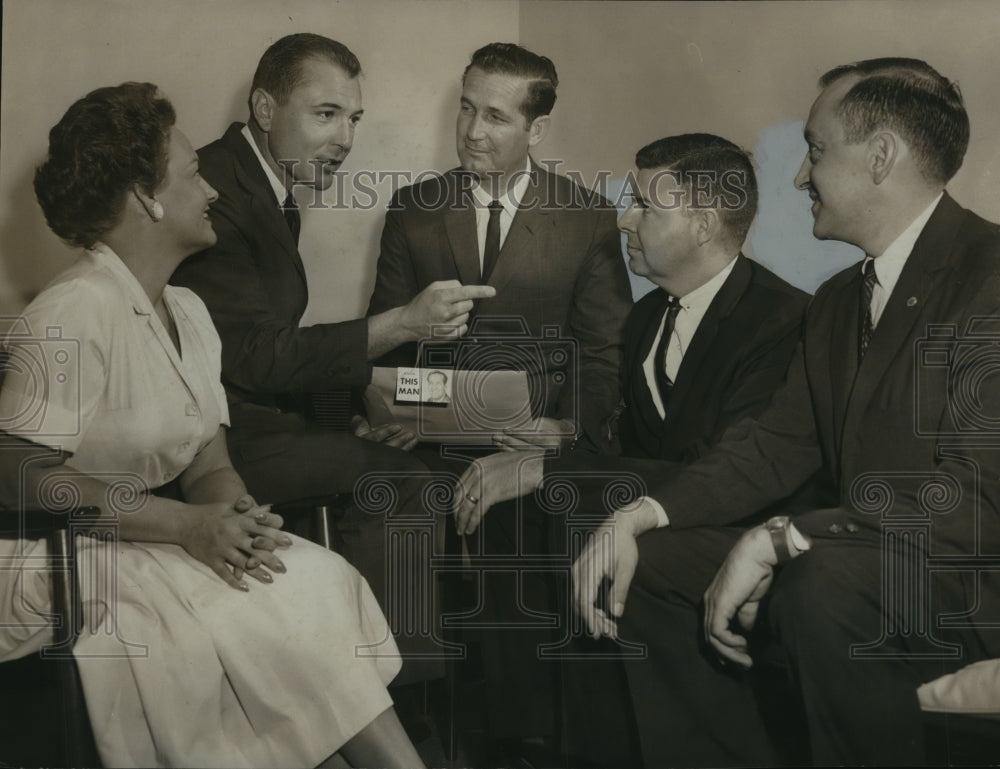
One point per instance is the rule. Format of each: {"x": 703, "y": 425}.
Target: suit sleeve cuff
{"x": 661, "y": 515}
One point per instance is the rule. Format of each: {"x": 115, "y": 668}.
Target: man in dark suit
{"x": 548, "y": 247}
{"x": 305, "y": 102}
{"x": 856, "y": 610}
{"x": 703, "y": 351}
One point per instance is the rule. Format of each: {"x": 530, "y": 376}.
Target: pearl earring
{"x": 157, "y": 212}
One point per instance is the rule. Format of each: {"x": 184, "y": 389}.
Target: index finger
{"x": 588, "y": 580}
{"x": 381, "y": 433}
{"x": 731, "y": 646}
{"x": 462, "y": 293}
{"x": 441, "y": 284}
{"x": 264, "y": 517}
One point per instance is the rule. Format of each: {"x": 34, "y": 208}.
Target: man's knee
{"x": 680, "y": 564}
{"x": 824, "y": 594}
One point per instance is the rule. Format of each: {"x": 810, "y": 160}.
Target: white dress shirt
{"x": 693, "y": 305}
{"x": 693, "y": 308}
{"x": 280, "y": 193}
{"x": 889, "y": 264}
{"x": 510, "y": 201}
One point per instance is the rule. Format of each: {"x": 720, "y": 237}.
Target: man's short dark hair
{"x": 511, "y": 59}
{"x": 714, "y": 172}
{"x": 111, "y": 140}
{"x": 912, "y": 98}
{"x": 279, "y": 70}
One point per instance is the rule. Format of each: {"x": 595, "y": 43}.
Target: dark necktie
{"x": 865, "y": 326}
{"x": 491, "y": 253}
{"x": 663, "y": 382}
{"x": 292, "y": 218}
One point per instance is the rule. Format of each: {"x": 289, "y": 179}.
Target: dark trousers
{"x": 555, "y": 682}
{"x": 690, "y": 710}
{"x": 821, "y": 610}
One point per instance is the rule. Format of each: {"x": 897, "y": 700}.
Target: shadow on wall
{"x": 32, "y": 254}
{"x": 781, "y": 237}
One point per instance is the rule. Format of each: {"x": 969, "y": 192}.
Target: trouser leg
{"x": 828, "y": 605}
{"x": 690, "y": 709}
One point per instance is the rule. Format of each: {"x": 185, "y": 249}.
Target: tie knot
{"x": 290, "y": 203}
{"x": 868, "y": 271}
{"x": 495, "y": 207}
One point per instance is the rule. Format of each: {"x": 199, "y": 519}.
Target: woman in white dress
{"x": 112, "y": 390}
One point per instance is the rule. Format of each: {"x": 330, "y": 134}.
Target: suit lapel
{"x": 920, "y": 277}
{"x": 704, "y": 337}
{"x": 460, "y": 227}
{"x": 641, "y": 395}
{"x": 843, "y": 364}
{"x": 522, "y": 246}
{"x": 265, "y": 208}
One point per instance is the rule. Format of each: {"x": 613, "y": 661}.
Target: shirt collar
{"x": 890, "y": 262}
{"x": 103, "y": 255}
{"x": 512, "y": 198}
{"x": 702, "y": 296}
{"x": 278, "y": 186}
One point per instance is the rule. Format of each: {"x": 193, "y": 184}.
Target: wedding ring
{"x": 472, "y": 499}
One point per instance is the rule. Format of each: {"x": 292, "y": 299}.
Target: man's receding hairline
{"x": 317, "y": 57}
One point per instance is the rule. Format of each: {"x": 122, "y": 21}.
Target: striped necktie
{"x": 663, "y": 382}
{"x": 865, "y": 325}
{"x": 491, "y": 253}
{"x": 292, "y": 218}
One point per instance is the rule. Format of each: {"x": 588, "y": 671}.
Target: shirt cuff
{"x": 661, "y": 514}
{"x": 799, "y": 542}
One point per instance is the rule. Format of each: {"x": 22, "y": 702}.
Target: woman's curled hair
{"x": 108, "y": 141}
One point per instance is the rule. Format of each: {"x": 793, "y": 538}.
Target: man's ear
{"x": 262, "y": 104}
{"x": 707, "y": 224}
{"x": 537, "y": 130}
{"x": 883, "y": 150}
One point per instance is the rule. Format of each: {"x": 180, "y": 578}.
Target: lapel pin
{"x": 911, "y": 301}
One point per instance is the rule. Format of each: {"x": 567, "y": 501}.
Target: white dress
{"x": 178, "y": 668}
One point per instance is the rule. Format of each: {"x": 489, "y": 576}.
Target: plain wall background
{"x": 633, "y": 72}
{"x": 202, "y": 54}
{"x": 629, "y": 73}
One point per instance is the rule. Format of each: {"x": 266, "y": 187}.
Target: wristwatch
{"x": 778, "y": 527}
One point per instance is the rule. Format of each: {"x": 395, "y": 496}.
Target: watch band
{"x": 778, "y": 528}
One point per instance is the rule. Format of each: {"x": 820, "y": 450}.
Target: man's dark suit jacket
{"x": 735, "y": 361}
{"x": 560, "y": 266}
{"x": 254, "y": 285}
{"x": 737, "y": 358}
{"x": 904, "y": 450}
{"x": 901, "y": 417}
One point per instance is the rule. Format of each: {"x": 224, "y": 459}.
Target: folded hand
{"x": 492, "y": 479}
{"x": 235, "y": 538}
